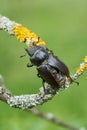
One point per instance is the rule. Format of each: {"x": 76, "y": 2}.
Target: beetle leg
{"x": 29, "y": 65}
{"x": 43, "y": 81}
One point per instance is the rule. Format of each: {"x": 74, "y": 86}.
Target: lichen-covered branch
{"x": 21, "y": 33}
{"x": 26, "y": 102}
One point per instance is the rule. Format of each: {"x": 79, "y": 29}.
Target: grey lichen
{"x": 7, "y": 24}
{"x": 23, "y": 101}
{"x": 29, "y": 101}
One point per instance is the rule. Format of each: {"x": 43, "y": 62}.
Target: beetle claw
{"x": 76, "y": 82}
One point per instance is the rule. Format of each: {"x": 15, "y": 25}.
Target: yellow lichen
{"x": 78, "y": 71}
{"x": 86, "y": 65}
{"x": 85, "y": 59}
{"x": 24, "y": 35}
{"x": 68, "y": 80}
{"x": 83, "y": 66}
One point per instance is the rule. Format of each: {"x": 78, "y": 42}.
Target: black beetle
{"x": 49, "y": 67}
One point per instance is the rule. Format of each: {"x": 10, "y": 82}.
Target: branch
{"x": 26, "y": 102}
{"x": 50, "y": 117}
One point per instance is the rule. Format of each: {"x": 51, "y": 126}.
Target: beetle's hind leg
{"x": 43, "y": 83}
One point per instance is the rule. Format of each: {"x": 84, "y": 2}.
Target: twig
{"x": 50, "y": 117}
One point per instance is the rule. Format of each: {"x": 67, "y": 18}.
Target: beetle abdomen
{"x": 51, "y": 76}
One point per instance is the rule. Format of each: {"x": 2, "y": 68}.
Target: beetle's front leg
{"x": 29, "y": 65}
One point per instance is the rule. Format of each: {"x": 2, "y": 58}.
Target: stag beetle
{"x": 50, "y": 69}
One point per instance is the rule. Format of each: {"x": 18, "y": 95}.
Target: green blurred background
{"x": 63, "y": 26}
